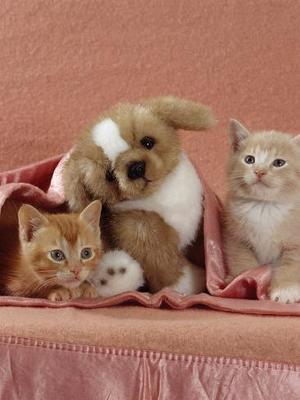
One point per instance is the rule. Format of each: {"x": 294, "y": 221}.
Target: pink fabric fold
{"x": 41, "y": 184}
{"x": 89, "y": 372}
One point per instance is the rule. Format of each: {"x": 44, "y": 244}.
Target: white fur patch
{"x": 286, "y": 295}
{"x": 107, "y": 135}
{"x": 260, "y": 219}
{"x": 191, "y": 282}
{"x": 178, "y": 201}
{"x": 261, "y": 156}
{"x": 117, "y": 273}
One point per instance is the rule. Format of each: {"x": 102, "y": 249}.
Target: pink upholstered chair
{"x": 64, "y": 62}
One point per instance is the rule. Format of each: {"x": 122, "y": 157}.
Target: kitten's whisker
{"x": 48, "y": 282}
{"x": 233, "y": 177}
{"x": 42, "y": 271}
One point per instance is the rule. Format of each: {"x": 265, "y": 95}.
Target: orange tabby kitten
{"x": 50, "y": 255}
{"x": 262, "y": 214}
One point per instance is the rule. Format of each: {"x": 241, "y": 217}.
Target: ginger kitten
{"x": 50, "y": 255}
{"x": 262, "y": 213}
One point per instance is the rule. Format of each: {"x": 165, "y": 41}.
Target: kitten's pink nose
{"x": 260, "y": 173}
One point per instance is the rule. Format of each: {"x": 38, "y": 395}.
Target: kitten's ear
{"x": 30, "y": 221}
{"x": 296, "y": 139}
{"x": 91, "y": 214}
{"x": 237, "y": 133}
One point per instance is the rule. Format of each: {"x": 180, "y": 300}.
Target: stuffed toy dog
{"x": 132, "y": 161}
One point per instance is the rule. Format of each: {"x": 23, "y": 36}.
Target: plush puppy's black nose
{"x": 136, "y": 170}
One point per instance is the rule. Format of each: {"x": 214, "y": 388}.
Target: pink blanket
{"x": 40, "y": 184}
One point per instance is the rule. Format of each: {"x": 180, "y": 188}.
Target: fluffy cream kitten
{"x": 262, "y": 212}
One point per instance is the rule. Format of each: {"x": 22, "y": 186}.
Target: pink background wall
{"x": 63, "y": 62}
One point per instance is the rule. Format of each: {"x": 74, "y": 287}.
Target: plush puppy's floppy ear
{"x": 237, "y": 133}
{"x": 180, "y": 113}
{"x": 30, "y": 221}
{"x": 73, "y": 182}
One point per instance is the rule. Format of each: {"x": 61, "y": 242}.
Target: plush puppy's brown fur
{"x": 89, "y": 174}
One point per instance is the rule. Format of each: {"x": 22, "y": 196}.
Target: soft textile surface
{"x": 36, "y": 369}
{"x": 28, "y": 185}
{"x": 196, "y": 331}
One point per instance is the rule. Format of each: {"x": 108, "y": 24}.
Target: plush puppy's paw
{"x": 285, "y": 294}
{"x": 117, "y": 273}
{"x": 63, "y": 294}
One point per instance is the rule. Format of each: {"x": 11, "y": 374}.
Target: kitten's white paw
{"x": 290, "y": 294}
{"x": 192, "y": 280}
{"x": 117, "y": 273}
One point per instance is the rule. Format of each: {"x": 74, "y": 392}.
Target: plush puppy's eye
{"x": 57, "y": 255}
{"x": 148, "y": 142}
{"x": 249, "y": 159}
{"x": 278, "y": 163}
{"x": 86, "y": 253}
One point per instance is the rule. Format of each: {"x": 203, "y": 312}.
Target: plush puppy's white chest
{"x": 261, "y": 222}
{"x": 178, "y": 201}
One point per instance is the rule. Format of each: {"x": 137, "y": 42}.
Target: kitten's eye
{"x": 249, "y": 159}
{"x": 86, "y": 253}
{"x": 57, "y": 255}
{"x": 279, "y": 163}
{"x": 148, "y": 142}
